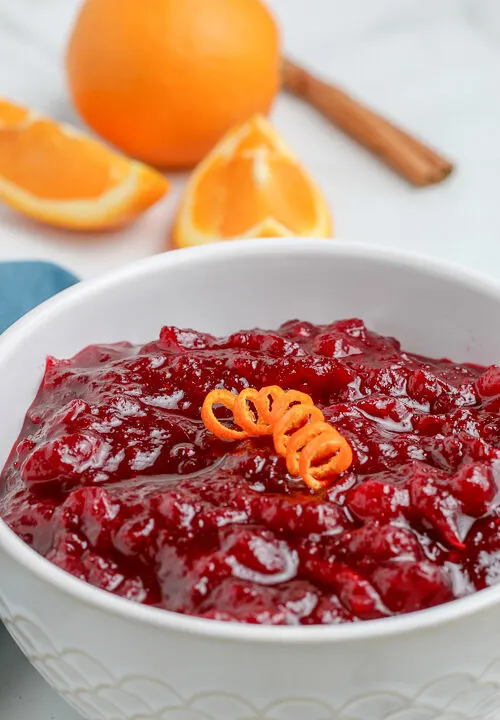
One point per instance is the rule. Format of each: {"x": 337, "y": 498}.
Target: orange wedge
{"x": 57, "y": 175}
{"x": 251, "y": 185}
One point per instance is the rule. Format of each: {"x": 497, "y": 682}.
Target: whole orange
{"x": 163, "y": 80}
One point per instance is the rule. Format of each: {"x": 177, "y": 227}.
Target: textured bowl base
{"x": 97, "y": 694}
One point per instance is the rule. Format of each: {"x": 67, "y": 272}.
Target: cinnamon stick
{"x": 411, "y": 158}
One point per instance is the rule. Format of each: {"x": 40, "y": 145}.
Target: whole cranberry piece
{"x": 488, "y": 384}
{"x": 376, "y": 500}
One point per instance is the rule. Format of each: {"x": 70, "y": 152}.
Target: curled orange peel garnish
{"x": 326, "y": 455}
{"x": 312, "y": 448}
{"x": 266, "y": 400}
{"x": 285, "y": 401}
{"x": 250, "y": 419}
{"x": 298, "y": 441}
{"x": 226, "y": 399}
{"x": 292, "y": 421}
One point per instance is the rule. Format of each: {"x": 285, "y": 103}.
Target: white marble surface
{"x": 434, "y": 65}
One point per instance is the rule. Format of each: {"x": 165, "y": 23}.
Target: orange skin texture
{"x": 163, "y": 80}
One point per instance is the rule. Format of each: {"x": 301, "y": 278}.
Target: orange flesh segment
{"x": 43, "y": 159}
{"x": 253, "y": 139}
{"x": 251, "y": 185}
{"x": 11, "y": 115}
{"x": 237, "y": 193}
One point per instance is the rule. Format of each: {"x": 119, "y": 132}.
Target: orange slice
{"x": 250, "y": 185}
{"x": 53, "y": 173}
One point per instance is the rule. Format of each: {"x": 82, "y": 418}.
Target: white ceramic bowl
{"x": 112, "y": 659}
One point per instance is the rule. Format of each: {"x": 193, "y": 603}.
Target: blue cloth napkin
{"x": 24, "y": 285}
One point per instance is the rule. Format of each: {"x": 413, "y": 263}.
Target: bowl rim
{"x": 99, "y": 599}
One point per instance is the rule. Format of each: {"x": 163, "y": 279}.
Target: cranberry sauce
{"x": 115, "y": 479}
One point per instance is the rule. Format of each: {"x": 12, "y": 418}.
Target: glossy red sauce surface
{"x": 115, "y": 479}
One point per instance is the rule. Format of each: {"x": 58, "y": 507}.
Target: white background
{"x": 433, "y": 65}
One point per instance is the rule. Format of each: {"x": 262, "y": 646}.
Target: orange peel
{"x": 266, "y": 399}
{"x": 326, "y": 455}
{"x": 298, "y": 441}
{"x": 293, "y": 420}
{"x": 226, "y": 399}
{"x": 250, "y": 420}
{"x": 313, "y": 448}
{"x": 284, "y": 402}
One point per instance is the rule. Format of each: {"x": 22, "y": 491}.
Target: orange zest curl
{"x": 266, "y": 401}
{"x": 312, "y": 448}
{"x": 293, "y": 421}
{"x": 285, "y": 401}
{"x": 249, "y": 419}
{"x": 326, "y": 455}
{"x": 226, "y": 399}
{"x": 300, "y": 439}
